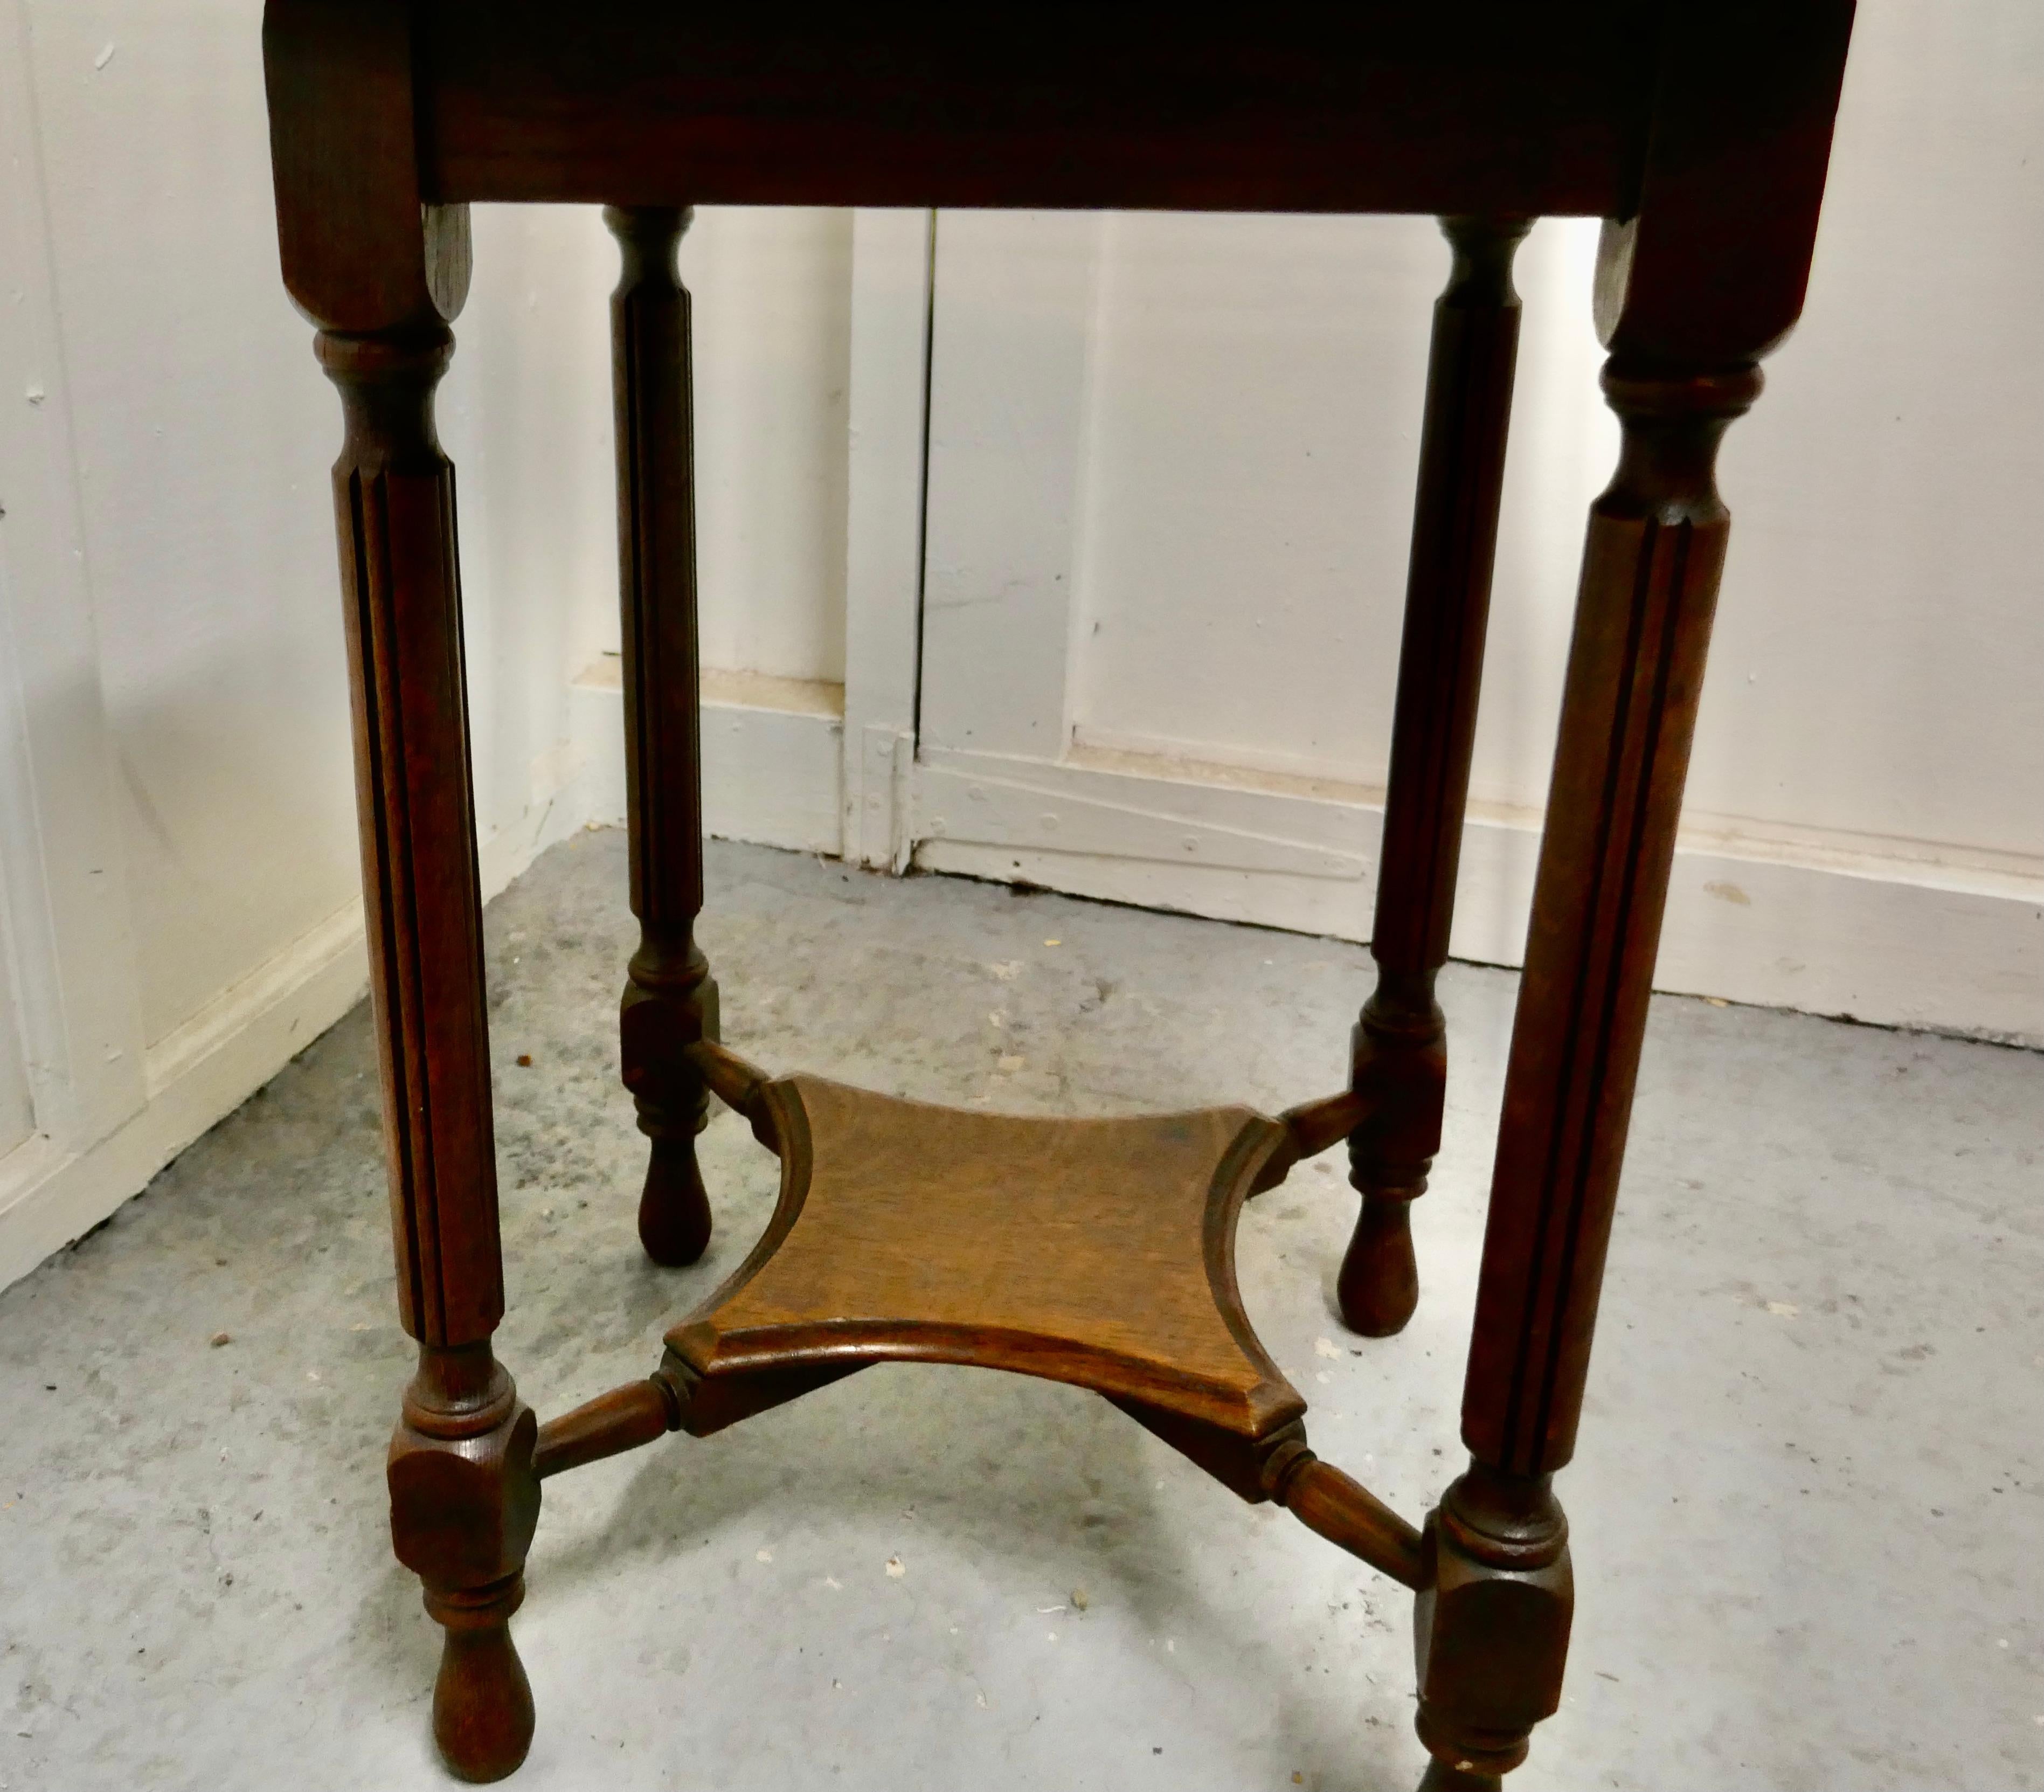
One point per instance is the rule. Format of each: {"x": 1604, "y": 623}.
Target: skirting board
{"x": 1828, "y": 928}
{"x": 773, "y": 756}
{"x": 196, "y": 1077}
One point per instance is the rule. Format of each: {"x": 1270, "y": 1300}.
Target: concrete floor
{"x": 1807, "y": 1514}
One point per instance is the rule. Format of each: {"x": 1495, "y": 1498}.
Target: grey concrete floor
{"x": 1807, "y": 1513}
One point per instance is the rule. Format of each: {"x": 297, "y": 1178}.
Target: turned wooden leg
{"x": 670, "y": 999}
{"x": 464, "y": 1500}
{"x": 1399, "y": 1046}
{"x": 1493, "y": 1632}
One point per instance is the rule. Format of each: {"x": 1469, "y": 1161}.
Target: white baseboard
{"x": 773, "y": 756}
{"x": 1877, "y": 931}
{"x": 196, "y": 1077}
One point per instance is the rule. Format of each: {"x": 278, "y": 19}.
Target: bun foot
{"x": 1379, "y": 1284}
{"x": 483, "y": 1703}
{"x": 674, "y": 1212}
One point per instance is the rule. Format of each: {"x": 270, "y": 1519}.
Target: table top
{"x": 1705, "y": 124}
{"x": 1361, "y": 108}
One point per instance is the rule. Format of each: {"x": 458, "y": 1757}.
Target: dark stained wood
{"x": 1708, "y": 268}
{"x": 1383, "y": 107}
{"x": 621, "y": 1420}
{"x": 1399, "y": 1051}
{"x": 671, "y": 999}
{"x": 1649, "y": 583}
{"x": 1346, "y": 1513}
{"x": 1097, "y": 1252}
{"x": 1692, "y": 290}
{"x": 463, "y": 1501}
{"x": 383, "y": 274}
{"x": 1491, "y": 1624}
{"x": 393, "y": 499}
{"x": 1314, "y": 1126}
{"x": 361, "y": 250}
{"x": 1635, "y": 672}
{"x": 464, "y": 1504}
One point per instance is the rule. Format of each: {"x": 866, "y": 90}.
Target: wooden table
{"x": 1097, "y": 1252}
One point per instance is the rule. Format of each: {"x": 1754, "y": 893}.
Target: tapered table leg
{"x": 671, "y": 999}
{"x": 464, "y": 1499}
{"x": 1401, "y": 1043}
{"x": 1493, "y": 1629}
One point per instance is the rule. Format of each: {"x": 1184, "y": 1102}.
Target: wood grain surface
{"x": 1095, "y": 1251}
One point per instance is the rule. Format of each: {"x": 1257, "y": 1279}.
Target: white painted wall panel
{"x": 1250, "y": 416}
{"x": 526, "y": 413}
{"x": 1010, "y": 337}
{"x": 1254, "y": 410}
{"x": 17, "y": 1107}
{"x": 1881, "y": 651}
{"x": 1254, "y": 422}
{"x": 1237, "y": 400}
{"x": 202, "y": 432}
{"x": 772, "y": 288}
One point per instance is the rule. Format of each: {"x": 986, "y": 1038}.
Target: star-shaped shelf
{"x": 1100, "y": 1252}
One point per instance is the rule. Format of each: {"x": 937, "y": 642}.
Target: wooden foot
{"x": 464, "y": 1504}
{"x": 1491, "y": 1632}
{"x": 1400, "y": 1065}
{"x": 674, "y": 1210}
{"x": 1378, "y": 1287}
{"x": 483, "y": 1703}
{"x": 670, "y": 1005}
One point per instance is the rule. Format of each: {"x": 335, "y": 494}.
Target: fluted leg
{"x": 1493, "y": 1634}
{"x": 1400, "y": 1044}
{"x": 464, "y": 1500}
{"x": 670, "y": 999}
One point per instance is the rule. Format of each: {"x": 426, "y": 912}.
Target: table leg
{"x": 1493, "y": 1631}
{"x": 1400, "y": 1043}
{"x": 464, "y": 1500}
{"x": 671, "y": 999}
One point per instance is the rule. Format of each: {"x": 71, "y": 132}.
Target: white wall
{"x": 1257, "y": 387}
{"x": 772, "y": 292}
{"x": 1241, "y": 397}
